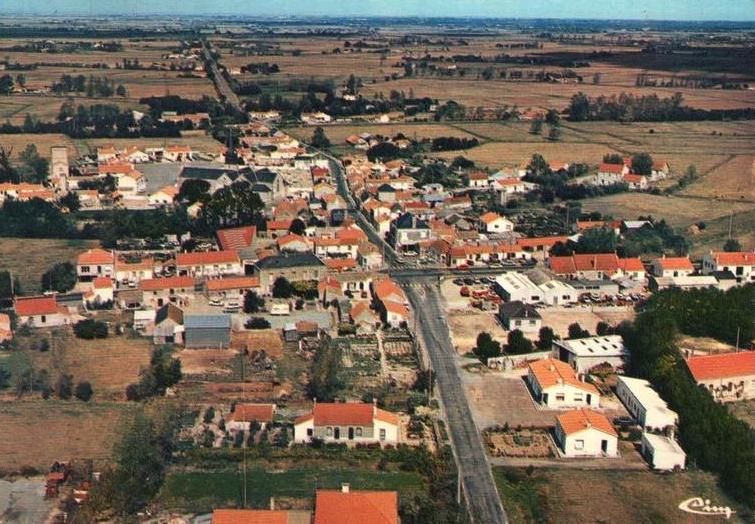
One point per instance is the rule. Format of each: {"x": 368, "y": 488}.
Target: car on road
{"x": 458, "y": 281}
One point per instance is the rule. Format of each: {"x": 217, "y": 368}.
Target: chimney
{"x": 345, "y": 488}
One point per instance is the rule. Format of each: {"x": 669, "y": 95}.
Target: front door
{"x": 604, "y": 446}
{"x": 337, "y": 433}
{"x": 351, "y": 433}
{"x": 589, "y": 399}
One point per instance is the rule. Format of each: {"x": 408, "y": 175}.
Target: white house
{"x": 662, "y": 453}
{"x": 209, "y": 263}
{"x": 609, "y": 174}
{"x": 102, "y": 291}
{"x": 644, "y": 404}
{"x": 555, "y": 385}
{"x": 157, "y": 292}
{"x": 585, "y": 433}
{"x": 495, "y": 223}
{"x": 727, "y": 376}
{"x": 521, "y": 316}
{"x": 394, "y": 313}
{"x": 517, "y": 287}
{"x": 583, "y": 354}
{"x": 349, "y": 423}
{"x": 95, "y": 263}
{"x": 741, "y": 264}
{"x": 40, "y": 312}
{"x": 673, "y": 267}
{"x": 479, "y": 180}
{"x": 163, "y": 196}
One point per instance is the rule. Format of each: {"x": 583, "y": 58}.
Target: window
{"x": 579, "y": 444}
{"x": 359, "y": 432}
{"x": 310, "y": 432}
{"x": 560, "y": 397}
{"x": 85, "y": 269}
{"x": 532, "y": 322}
{"x": 382, "y": 434}
{"x": 44, "y": 319}
{"x": 578, "y": 397}
{"x": 517, "y": 322}
{"x": 329, "y": 432}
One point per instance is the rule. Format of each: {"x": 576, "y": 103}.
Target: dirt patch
{"x": 466, "y": 324}
{"x": 268, "y": 340}
{"x": 206, "y": 361}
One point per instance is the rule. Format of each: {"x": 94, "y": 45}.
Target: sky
{"x": 736, "y": 10}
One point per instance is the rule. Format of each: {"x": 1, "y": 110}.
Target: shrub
{"x": 90, "y": 329}
{"x": 84, "y": 391}
{"x": 257, "y": 323}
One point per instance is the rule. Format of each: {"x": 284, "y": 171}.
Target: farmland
{"x": 57, "y": 430}
{"x": 28, "y": 259}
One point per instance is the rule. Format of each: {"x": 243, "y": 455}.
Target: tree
{"x": 538, "y": 165}
{"x": 6, "y": 85}
{"x": 257, "y": 323}
{"x": 554, "y": 133}
{"x": 253, "y": 303}
{"x": 537, "y": 126}
{"x": 21, "y": 80}
{"x": 282, "y": 288}
{"x": 84, "y": 391}
{"x": 546, "y": 336}
{"x": 64, "y": 387}
{"x": 60, "y": 278}
{"x": 553, "y": 118}
{"x": 35, "y": 167}
{"x": 384, "y": 151}
{"x": 461, "y": 162}
{"x": 517, "y": 343}
{"x": 298, "y": 227}
{"x": 603, "y": 328}
{"x": 486, "y": 347}
{"x": 7, "y": 171}
{"x": 120, "y": 90}
{"x": 576, "y": 331}
{"x": 596, "y": 78}
{"x": 90, "y": 329}
{"x": 597, "y": 240}
{"x": 579, "y": 107}
{"x": 324, "y": 383}
{"x": 642, "y": 164}
{"x": 71, "y": 201}
{"x": 613, "y": 158}
{"x": 732, "y": 245}
{"x": 320, "y": 139}
{"x": 193, "y": 190}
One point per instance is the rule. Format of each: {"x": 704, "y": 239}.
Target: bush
{"x": 89, "y": 329}
{"x": 64, "y": 387}
{"x": 84, "y": 391}
{"x": 257, "y": 323}
{"x": 282, "y": 288}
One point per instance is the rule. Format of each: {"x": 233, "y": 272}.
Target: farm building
{"x": 644, "y": 403}
{"x": 582, "y": 354}
{"x": 40, "y": 312}
{"x": 245, "y": 414}
{"x": 207, "y": 331}
{"x": 555, "y": 292}
{"x": 555, "y": 385}
{"x": 728, "y": 376}
{"x": 585, "y": 433}
{"x": 169, "y": 327}
{"x": 347, "y": 422}
{"x": 662, "y": 452}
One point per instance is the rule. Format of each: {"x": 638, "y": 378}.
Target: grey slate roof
{"x": 518, "y": 309}
{"x": 207, "y": 322}
{"x": 206, "y": 172}
{"x": 306, "y": 259}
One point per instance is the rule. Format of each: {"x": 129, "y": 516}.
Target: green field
{"x": 203, "y": 491}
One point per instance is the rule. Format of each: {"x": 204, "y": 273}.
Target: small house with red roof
{"x": 741, "y": 264}
{"x": 609, "y": 174}
{"x": 727, "y": 376}
{"x": 345, "y": 506}
{"x": 479, "y": 180}
{"x": 672, "y": 266}
{"x": 230, "y": 287}
{"x": 495, "y": 223}
{"x": 94, "y": 263}
{"x": 245, "y": 414}
{"x": 586, "y": 433}
{"x": 157, "y": 292}
{"x": 209, "y": 263}
{"x": 555, "y": 385}
{"x": 348, "y": 423}
{"x": 40, "y": 312}
{"x": 236, "y": 238}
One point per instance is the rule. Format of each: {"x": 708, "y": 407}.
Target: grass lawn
{"x": 575, "y": 496}
{"x": 203, "y": 491}
{"x": 29, "y": 258}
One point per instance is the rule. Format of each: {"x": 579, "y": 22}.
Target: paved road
{"x": 421, "y": 285}
{"x": 221, "y": 84}
{"x": 476, "y": 476}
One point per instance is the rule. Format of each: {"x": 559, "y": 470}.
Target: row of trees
{"x": 91, "y": 86}
{"x": 33, "y": 168}
{"x": 648, "y": 108}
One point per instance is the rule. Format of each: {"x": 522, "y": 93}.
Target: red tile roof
{"x": 361, "y": 507}
{"x": 396, "y": 308}
{"x": 28, "y": 306}
{"x": 387, "y": 287}
{"x": 102, "y": 283}
{"x": 155, "y": 284}
{"x": 581, "y": 419}
{"x": 550, "y": 372}
{"x": 722, "y": 366}
{"x": 95, "y": 256}
{"x": 607, "y": 262}
{"x": 236, "y": 238}
{"x": 634, "y": 179}
{"x": 249, "y": 516}
{"x": 223, "y": 284}
{"x": 278, "y": 225}
{"x": 253, "y": 412}
{"x": 340, "y": 264}
{"x": 611, "y": 168}
{"x": 347, "y": 414}
{"x": 740, "y": 258}
{"x": 199, "y": 258}
{"x": 676, "y": 263}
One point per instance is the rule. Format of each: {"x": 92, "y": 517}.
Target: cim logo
{"x": 700, "y": 506}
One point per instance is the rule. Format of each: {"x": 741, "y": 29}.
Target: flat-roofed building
{"x": 645, "y": 404}
{"x": 583, "y": 354}
{"x": 517, "y": 287}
